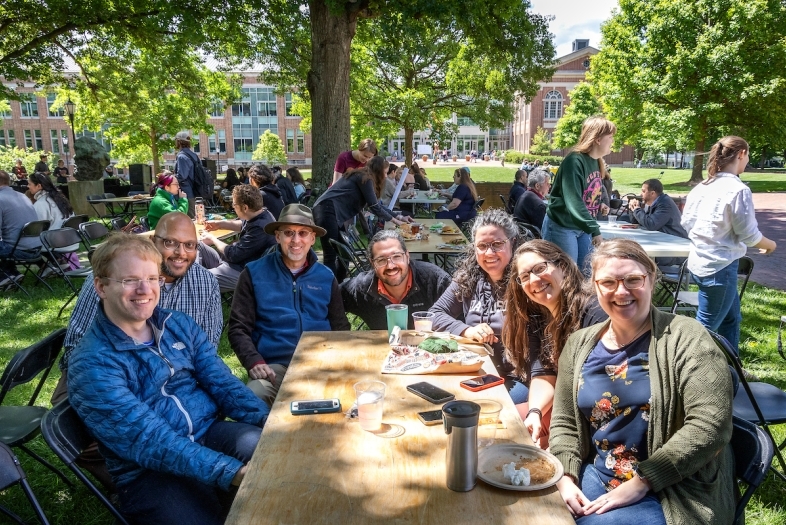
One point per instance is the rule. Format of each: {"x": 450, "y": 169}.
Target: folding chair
{"x": 75, "y": 221}
{"x": 504, "y": 202}
{"x": 118, "y": 223}
{"x": 26, "y": 257}
{"x": 528, "y": 231}
{"x": 21, "y": 424}
{"x": 68, "y": 437}
{"x": 144, "y": 223}
{"x": 346, "y": 258}
{"x": 760, "y": 403}
{"x": 92, "y": 233}
{"x": 57, "y": 242}
{"x": 753, "y": 453}
{"x": 479, "y": 203}
{"x": 103, "y": 217}
{"x": 11, "y": 473}
{"x": 691, "y": 299}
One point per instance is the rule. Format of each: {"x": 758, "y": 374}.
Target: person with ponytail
{"x": 721, "y": 225}
{"x": 50, "y": 205}
{"x": 167, "y": 197}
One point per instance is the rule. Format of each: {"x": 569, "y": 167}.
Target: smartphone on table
{"x": 317, "y": 406}
{"x": 476, "y": 384}
{"x": 430, "y": 417}
{"x": 430, "y": 392}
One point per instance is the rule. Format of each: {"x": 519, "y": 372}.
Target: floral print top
{"x": 615, "y": 396}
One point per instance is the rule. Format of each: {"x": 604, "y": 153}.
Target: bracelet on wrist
{"x": 534, "y": 411}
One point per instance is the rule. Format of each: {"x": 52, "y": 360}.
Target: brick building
{"x": 548, "y": 106}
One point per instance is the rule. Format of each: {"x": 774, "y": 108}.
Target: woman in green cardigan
{"x": 642, "y": 408}
{"x": 167, "y": 196}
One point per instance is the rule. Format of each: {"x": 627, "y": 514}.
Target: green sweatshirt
{"x": 574, "y": 199}
{"x": 690, "y": 464}
{"x": 163, "y": 203}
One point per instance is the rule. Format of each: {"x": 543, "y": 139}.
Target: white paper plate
{"x": 491, "y": 459}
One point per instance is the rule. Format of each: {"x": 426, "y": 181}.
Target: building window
{"x": 552, "y": 106}
{"x": 242, "y": 108}
{"x": 50, "y": 99}
{"x": 195, "y": 145}
{"x": 29, "y": 105}
{"x": 11, "y": 138}
{"x": 28, "y": 139}
{"x": 6, "y": 113}
{"x": 465, "y": 121}
{"x": 217, "y": 109}
{"x": 222, "y": 141}
{"x": 39, "y": 141}
{"x": 55, "y": 140}
{"x": 2, "y": 138}
{"x": 288, "y": 104}
{"x": 301, "y": 142}
{"x": 290, "y": 141}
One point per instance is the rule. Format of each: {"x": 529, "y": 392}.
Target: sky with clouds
{"x": 574, "y": 19}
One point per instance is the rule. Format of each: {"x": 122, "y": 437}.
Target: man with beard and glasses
{"x": 188, "y": 288}
{"x": 395, "y": 279}
{"x": 280, "y": 296}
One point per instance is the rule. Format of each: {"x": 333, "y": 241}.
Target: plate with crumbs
{"x": 545, "y": 469}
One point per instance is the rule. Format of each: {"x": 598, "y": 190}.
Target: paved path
{"x": 770, "y": 270}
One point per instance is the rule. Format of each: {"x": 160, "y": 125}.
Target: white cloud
{"x": 574, "y": 19}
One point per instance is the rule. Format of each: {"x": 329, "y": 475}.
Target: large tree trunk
{"x": 763, "y": 158}
{"x": 328, "y": 87}
{"x": 696, "y": 175}
{"x": 409, "y": 134}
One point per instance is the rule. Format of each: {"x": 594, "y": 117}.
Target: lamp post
{"x": 70, "y": 107}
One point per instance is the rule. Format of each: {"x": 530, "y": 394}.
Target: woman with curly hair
{"x": 545, "y": 305}
{"x": 473, "y": 306}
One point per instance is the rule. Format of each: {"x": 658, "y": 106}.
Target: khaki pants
{"x": 264, "y": 389}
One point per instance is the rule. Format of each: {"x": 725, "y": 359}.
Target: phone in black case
{"x": 430, "y": 392}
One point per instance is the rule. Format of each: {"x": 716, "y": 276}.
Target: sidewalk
{"x": 770, "y": 270}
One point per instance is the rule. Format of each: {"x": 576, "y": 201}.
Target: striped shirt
{"x": 195, "y": 294}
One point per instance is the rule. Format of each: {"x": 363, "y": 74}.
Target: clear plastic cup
{"x": 613, "y": 221}
{"x": 423, "y": 321}
{"x": 370, "y": 399}
{"x": 488, "y": 420}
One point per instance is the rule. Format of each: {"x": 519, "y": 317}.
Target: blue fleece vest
{"x": 287, "y": 306}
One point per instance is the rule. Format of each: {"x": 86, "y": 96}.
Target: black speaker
{"x": 140, "y": 175}
{"x": 210, "y": 164}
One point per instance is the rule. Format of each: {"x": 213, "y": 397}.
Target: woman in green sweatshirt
{"x": 167, "y": 196}
{"x": 575, "y": 197}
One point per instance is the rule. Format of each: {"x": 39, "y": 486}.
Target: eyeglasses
{"x": 134, "y": 284}
{"x": 630, "y": 282}
{"x": 496, "y": 246}
{"x": 539, "y": 269}
{"x": 396, "y": 258}
{"x": 171, "y": 244}
{"x": 303, "y": 234}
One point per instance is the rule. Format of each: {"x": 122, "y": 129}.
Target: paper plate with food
{"x": 518, "y": 467}
{"x": 433, "y": 354}
{"x": 450, "y": 230}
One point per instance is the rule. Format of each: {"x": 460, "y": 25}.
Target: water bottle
{"x": 199, "y": 207}
{"x": 461, "y": 460}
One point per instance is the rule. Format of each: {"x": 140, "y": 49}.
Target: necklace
{"x": 613, "y": 338}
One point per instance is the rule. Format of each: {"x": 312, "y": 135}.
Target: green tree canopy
{"x": 541, "y": 143}
{"x": 270, "y": 149}
{"x": 688, "y": 71}
{"x": 582, "y": 105}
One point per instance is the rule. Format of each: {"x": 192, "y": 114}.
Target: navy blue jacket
{"x": 663, "y": 216}
{"x": 148, "y": 405}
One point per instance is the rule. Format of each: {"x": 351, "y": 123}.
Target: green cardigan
{"x": 690, "y": 464}
{"x": 162, "y": 204}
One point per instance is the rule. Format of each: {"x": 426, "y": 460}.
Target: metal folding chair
{"x": 92, "y": 234}
{"x": 57, "y": 242}
{"x": 11, "y": 473}
{"x": 753, "y": 453}
{"x": 687, "y": 300}
{"x": 347, "y": 258}
{"x": 26, "y": 257}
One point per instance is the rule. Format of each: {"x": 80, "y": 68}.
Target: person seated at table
{"x": 660, "y": 213}
{"x": 50, "y": 204}
{"x": 284, "y": 185}
{"x": 151, "y": 388}
{"x": 231, "y": 180}
{"x": 642, "y": 407}
{"x": 531, "y": 206}
{"x": 547, "y": 304}
{"x": 390, "y": 185}
{"x": 61, "y": 173}
{"x": 473, "y": 306}
{"x": 344, "y": 200}
{"x": 461, "y": 208}
{"x": 355, "y": 159}
{"x": 19, "y": 170}
{"x": 395, "y": 279}
{"x": 228, "y": 260}
{"x": 297, "y": 181}
{"x": 421, "y": 182}
{"x": 448, "y": 192}
{"x": 167, "y": 197}
{"x": 517, "y": 190}
{"x": 280, "y": 296}
{"x": 262, "y": 178}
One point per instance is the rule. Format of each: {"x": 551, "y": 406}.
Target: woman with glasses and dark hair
{"x": 167, "y": 196}
{"x": 50, "y": 204}
{"x": 642, "y": 407}
{"x": 545, "y": 305}
{"x": 473, "y": 306}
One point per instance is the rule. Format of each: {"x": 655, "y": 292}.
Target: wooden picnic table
{"x": 326, "y": 469}
{"x": 655, "y": 243}
{"x": 434, "y": 246}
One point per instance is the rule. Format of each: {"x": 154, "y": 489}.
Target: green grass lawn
{"x": 24, "y": 321}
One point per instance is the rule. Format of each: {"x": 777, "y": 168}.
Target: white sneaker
{"x": 47, "y": 272}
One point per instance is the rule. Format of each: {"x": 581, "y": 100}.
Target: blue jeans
{"x": 166, "y": 499}
{"x": 646, "y": 511}
{"x": 518, "y": 391}
{"x": 719, "y": 304}
{"x": 576, "y": 243}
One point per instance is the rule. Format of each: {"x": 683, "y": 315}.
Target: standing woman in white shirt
{"x": 721, "y": 225}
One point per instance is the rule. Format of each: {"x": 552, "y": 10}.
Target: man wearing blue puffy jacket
{"x": 152, "y": 390}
